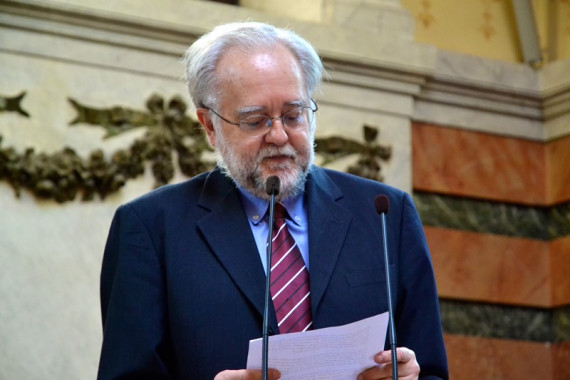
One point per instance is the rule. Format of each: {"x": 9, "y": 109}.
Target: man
{"x": 183, "y": 277}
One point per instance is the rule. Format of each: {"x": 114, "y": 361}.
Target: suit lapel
{"x": 328, "y": 226}
{"x": 226, "y": 230}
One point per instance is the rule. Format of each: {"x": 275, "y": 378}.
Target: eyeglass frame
{"x": 269, "y": 117}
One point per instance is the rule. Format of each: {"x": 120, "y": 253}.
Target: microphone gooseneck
{"x": 272, "y": 187}
{"x": 382, "y": 205}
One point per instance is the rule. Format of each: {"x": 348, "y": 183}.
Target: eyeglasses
{"x": 295, "y": 119}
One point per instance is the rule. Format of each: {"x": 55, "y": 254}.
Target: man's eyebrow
{"x": 242, "y": 112}
{"x": 249, "y": 110}
{"x": 296, "y": 103}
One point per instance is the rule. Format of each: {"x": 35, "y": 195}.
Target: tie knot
{"x": 279, "y": 212}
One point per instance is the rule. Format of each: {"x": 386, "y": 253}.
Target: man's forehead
{"x": 259, "y": 54}
{"x": 263, "y": 73}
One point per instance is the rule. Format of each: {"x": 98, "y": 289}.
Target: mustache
{"x": 272, "y": 151}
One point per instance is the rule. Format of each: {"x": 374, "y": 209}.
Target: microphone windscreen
{"x": 272, "y": 185}
{"x": 382, "y": 204}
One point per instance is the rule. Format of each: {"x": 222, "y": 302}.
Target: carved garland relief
{"x": 171, "y": 136}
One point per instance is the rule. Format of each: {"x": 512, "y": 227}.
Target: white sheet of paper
{"x": 336, "y": 353}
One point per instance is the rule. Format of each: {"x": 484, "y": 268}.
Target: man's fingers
{"x": 403, "y": 355}
{"x": 408, "y": 367}
{"x": 272, "y": 374}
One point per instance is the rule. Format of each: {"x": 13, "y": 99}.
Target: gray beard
{"x": 250, "y": 178}
{"x": 255, "y": 184}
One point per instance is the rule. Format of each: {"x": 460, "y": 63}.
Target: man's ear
{"x": 204, "y": 118}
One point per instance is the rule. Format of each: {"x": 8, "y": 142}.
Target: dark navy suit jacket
{"x": 182, "y": 285}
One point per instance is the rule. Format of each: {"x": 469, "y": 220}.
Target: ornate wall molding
{"x": 170, "y": 135}
{"x": 13, "y": 104}
{"x": 496, "y": 97}
{"x": 172, "y": 141}
{"x": 443, "y": 88}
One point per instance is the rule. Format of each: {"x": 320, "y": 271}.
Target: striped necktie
{"x": 289, "y": 279}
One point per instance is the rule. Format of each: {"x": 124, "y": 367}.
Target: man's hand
{"x": 245, "y": 374}
{"x": 408, "y": 367}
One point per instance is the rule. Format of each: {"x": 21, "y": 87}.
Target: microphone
{"x": 272, "y": 185}
{"x": 382, "y": 205}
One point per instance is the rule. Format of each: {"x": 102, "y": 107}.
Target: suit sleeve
{"x": 417, "y": 312}
{"x": 135, "y": 341}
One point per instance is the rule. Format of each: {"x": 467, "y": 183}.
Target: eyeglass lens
{"x": 296, "y": 118}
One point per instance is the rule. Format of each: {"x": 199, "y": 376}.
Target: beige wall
{"x": 487, "y": 28}
{"x": 484, "y": 28}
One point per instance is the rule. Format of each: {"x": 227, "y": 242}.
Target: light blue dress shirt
{"x": 257, "y": 211}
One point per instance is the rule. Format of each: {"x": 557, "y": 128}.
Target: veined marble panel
{"x": 558, "y": 169}
{"x": 505, "y": 322}
{"x": 472, "y": 358}
{"x": 479, "y": 165}
{"x": 498, "y": 269}
{"x": 487, "y": 166}
{"x": 497, "y": 218}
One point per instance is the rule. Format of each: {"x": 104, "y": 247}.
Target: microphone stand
{"x": 272, "y": 190}
{"x": 382, "y": 205}
{"x": 391, "y": 326}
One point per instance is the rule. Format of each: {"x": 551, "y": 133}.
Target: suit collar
{"x": 226, "y": 228}
{"x": 227, "y": 224}
{"x": 328, "y": 226}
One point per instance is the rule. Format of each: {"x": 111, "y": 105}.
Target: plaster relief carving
{"x": 172, "y": 141}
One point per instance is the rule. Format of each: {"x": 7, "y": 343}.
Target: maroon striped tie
{"x": 289, "y": 279}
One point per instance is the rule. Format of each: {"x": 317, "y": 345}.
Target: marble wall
{"x": 482, "y": 145}
{"x": 496, "y": 212}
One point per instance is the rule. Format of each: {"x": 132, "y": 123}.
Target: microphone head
{"x": 382, "y": 204}
{"x": 272, "y": 185}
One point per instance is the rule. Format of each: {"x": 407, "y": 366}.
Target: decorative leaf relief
{"x": 13, "y": 104}
{"x": 172, "y": 139}
{"x": 370, "y": 153}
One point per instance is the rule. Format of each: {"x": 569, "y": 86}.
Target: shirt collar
{"x": 256, "y": 208}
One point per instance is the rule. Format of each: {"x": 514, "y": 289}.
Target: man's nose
{"x": 277, "y": 134}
